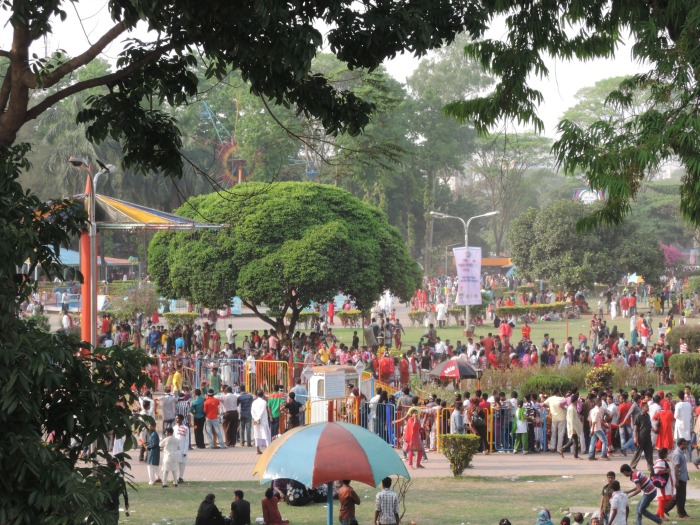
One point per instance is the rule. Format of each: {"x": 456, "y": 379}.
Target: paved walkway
{"x": 237, "y": 464}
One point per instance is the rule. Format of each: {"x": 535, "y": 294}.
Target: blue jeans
{"x": 213, "y": 425}
{"x": 246, "y": 430}
{"x": 642, "y": 505}
{"x": 595, "y": 436}
{"x": 627, "y": 438}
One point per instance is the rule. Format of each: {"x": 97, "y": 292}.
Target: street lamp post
{"x": 446, "y": 253}
{"x": 90, "y": 304}
{"x": 438, "y": 215}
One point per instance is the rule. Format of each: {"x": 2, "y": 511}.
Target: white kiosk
{"x": 328, "y": 389}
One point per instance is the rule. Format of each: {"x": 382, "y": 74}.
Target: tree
{"x": 248, "y": 37}
{"x": 593, "y": 104}
{"x": 272, "y": 46}
{"x": 498, "y": 169}
{"x": 616, "y": 155}
{"x": 545, "y": 245}
{"x": 286, "y": 247}
{"x": 442, "y": 145}
{"x": 49, "y": 386}
{"x": 141, "y": 298}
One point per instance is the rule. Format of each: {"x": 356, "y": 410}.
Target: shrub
{"x": 500, "y": 291}
{"x": 693, "y": 284}
{"x": 690, "y": 333}
{"x": 352, "y": 316}
{"x": 685, "y": 367}
{"x": 634, "y": 376}
{"x": 537, "y": 309}
{"x": 458, "y": 313}
{"x": 417, "y": 316}
{"x": 41, "y": 321}
{"x": 546, "y": 383}
{"x": 459, "y": 449}
{"x": 601, "y": 377}
{"x": 175, "y": 319}
{"x": 525, "y": 289}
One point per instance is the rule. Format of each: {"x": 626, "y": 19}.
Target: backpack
{"x": 659, "y": 480}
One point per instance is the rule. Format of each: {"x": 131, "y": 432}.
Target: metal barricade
{"x": 231, "y": 370}
{"x": 377, "y": 418}
{"x": 345, "y": 410}
{"x": 264, "y": 375}
{"x": 502, "y": 429}
{"x": 540, "y": 429}
{"x": 442, "y": 422}
{"x": 367, "y": 385}
{"x": 189, "y": 377}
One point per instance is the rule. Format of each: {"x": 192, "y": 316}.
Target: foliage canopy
{"x": 545, "y": 245}
{"x": 286, "y": 246}
{"x": 618, "y": 152}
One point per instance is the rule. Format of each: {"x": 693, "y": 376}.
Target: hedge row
{"x": 175, "y": 318}
{"x": 546, "y": 384}
{"x": 537, "y": 309}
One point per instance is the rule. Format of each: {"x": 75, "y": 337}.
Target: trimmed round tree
{"x": 285, "y": 246}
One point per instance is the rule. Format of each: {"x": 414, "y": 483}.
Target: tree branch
{"x": 4, "y": 53}
{"x": 79, "y": 61}
{"x": 95, "y": 82}
{"x": 260, "y": 315}
{"x": 5, "y": 89}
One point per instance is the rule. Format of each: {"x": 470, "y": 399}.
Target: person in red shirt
{"x": 404, "y": 371}
{"x": 493, "y": 362}
{"x": 211, "y": 424}
{"x": 386, "y": 368}
{"x": 526, "y": 331}
{"x": 270, "y": 508}
{"x": 664, "y": 437}
{"x": 488, "y": 343}
{"x": 624, "y": 306}
{"x": 633, "y": 304}
{"x": 506, "y": 331}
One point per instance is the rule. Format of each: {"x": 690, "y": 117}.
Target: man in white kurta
{"x": 171, "y": 448}
{"x": 683, "y": 414}
{"x": 182, "y": 433}
{"x": 261, "y": 423}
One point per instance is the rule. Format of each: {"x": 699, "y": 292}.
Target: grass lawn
{"x": 468, "y": 500}
{"x": 455, "y": 333}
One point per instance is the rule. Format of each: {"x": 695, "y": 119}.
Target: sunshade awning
{"x": 116, "y": 214}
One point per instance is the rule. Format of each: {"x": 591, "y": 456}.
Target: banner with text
{"x": 468, "y": 262}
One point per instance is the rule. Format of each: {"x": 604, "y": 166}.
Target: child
{"x": 520, "y": 427}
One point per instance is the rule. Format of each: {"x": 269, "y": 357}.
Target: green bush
{"x": 685, "y": 367}
{"x": 41, "y": 321}
{"x": 352, "y": 316}
{"x": 525, "y": 289}
{"x": 417, "y": 316}
{"x": 546, "y": 383}
{"x": 499, "y": 291}
{"x": 601, "y": 377}
{"x": 458, "y": 313}
{"x": 459, "y": 449}
{"x": 175, "y": 319}
{"x": 690, "y": 333}
{"x": 537, "y": 309}
{"x": 693, "y": 284}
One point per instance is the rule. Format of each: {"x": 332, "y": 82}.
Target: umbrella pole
{"x": 329, "y": 518}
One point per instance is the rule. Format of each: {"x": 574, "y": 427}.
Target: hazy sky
{"x": 565, "y": 79}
